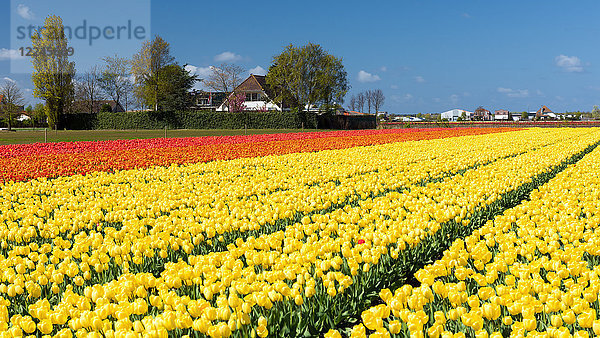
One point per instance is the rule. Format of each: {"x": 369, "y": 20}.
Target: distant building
{"x": 482, "y": 114}
{"x": 502, "y": 115}
{"x": 545, "y": 113}
{"x": 207, "y": 100}
{"x": 259, "y": 95}
{"x": 349, "y": 113}
{"x": 408, "y": 119}
{"x": 23, "y": 117}
{"x": 455, "y": 114}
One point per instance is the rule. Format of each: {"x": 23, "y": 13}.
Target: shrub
{"x": 190, "y": 120}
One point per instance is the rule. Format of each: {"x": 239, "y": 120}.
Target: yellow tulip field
{"x": 478, "y": 235}
{"x": 531, "y": 271}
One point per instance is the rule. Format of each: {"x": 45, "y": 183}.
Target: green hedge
{"x": 190, "y": 120}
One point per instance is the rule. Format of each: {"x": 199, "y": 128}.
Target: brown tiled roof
{"x": 252, "y": 83}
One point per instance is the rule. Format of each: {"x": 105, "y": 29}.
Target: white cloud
{"x": 402, "y": 98}
{"x": 383, "y": 69}
{"x": 419, "y": 79}
{"x": 10, "y": 54}
{"x": 454, "y": 98}
{"x": 513, "y": 92}
{"x": 227, "y": 57}
{"x": 258, "y": 70}
{"x": 9, "y": 79}
{"x": 25, "y": 12}
{"x": 202, "y": 72}
{"x": 367, "y": 77}
{"x": 571, "y": 64}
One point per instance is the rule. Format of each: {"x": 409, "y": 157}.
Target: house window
{"x": 253, "y": 96}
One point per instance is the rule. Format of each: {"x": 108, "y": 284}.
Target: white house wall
{"x": 254, "y": 105}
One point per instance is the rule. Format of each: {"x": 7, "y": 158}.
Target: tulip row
{"x": 277, "y": 282}
{"x": 534, "y": 270}
{"x": 219, "y": 197}
{"x": 25, "y": 162}
{"x": 16, "y": 150}
{"x": 51, "y": 210}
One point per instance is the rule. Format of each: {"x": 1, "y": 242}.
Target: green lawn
{"x": 37, "y": 135}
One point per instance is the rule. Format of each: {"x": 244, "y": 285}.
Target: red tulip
{"x": 28, "y": 161}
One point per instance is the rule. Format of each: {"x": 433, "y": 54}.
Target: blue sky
{"x": 426, "y": 56}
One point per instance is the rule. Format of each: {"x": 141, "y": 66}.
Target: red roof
{"x": 544, "y": 109}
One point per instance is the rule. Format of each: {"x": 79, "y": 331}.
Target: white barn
{"x": 455, "y": 114}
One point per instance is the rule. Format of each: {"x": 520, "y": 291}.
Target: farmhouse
{"x": 502, "y": 115}
{"x": 207, "y": 100}
{"x": 23, "y": 117}
{"x": 455, "y": 114}
{"x": 544, "y": 113}
{"x": 258, "y": 95}
{"x": 482, "y": 114}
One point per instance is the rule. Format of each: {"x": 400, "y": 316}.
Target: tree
{"x": 106, "y": 108}
{"x": 236, "y": 103}
{"x": 352, "y": 105}
{"x": 369, "y": 99}
{"x": 11, "y": 97}
{"x": 29, "y": 111}
{"x": 360, "y": 102}
{"x": 378, "y": 99}
{"x": 52, "y": 72}
{"x": 224, "y": 78}
{"x": 88, "y": 88}
{"x": 596, "y": 113}
{"x": 114, "y": 77}
{"x": 175, "y": 83}
{"x": 524, "y": 116}
{"x": 307, "y": 76}
{"x": 128, "y": 94}
{"x": 145, "y": 65}
{"x": 39, "y": 114}
{"x": 463, "y": 116}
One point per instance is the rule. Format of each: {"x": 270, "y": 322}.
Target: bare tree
{"x": 115, "y": 77}
{"x": 225, "y": 77}
{"x": 360, "y": 102}
{"x": 352, "y": 104}
{"x": 11, "y": 97}
{"x": 88, "y": 89}
{"x": 378, "y": 99}
{"x": 369, "y": 99}
{"x": 128, "y": 99}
